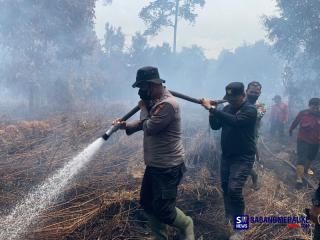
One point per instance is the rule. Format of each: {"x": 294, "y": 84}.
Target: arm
{"x": 295, "y": 122}
{"x": 215, "y": 123}
{"x": 134, "y": 127}
{"x": 245, "y": 117}
{"x": 160, "y": 120}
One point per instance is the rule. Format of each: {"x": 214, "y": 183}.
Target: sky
{"x": 221, "y": 24}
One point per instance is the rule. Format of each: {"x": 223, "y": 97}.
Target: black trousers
{"x": 159, "y": 192}
{"x": 316, "y": 233}
{"x": 306, "y": 153}
{"x": 234, "y": 173}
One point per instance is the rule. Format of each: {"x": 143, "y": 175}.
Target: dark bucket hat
{"x": 147, "y": 74}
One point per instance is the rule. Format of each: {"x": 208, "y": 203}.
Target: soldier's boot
{"x": 231, "y": 233}
{"x": 299, "y": 179}
{"x": 158, "y": 229}
{"x": 185, "y": 225}
{"x": 229, "y": 227}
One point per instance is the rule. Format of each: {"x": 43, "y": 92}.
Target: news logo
{"x": 241, "y": 222}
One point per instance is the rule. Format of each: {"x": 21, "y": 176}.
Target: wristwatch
{"x": 212, "y": 108}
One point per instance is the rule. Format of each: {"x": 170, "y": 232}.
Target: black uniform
{"x": 238, "y": 152}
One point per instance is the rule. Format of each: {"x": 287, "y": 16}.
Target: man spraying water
{"x": 160, "y": 121}
{"x": 163, "y": 154}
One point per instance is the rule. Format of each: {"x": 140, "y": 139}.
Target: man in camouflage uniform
{"x": 253, "y": 93}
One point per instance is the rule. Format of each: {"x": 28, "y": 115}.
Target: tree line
{"x": 50, "y": 54}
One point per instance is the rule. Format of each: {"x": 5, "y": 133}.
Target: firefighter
{"x": 238, "y": 122}
{"x": 279, "y": 117}
{"x": 160, "y": 120}
{"x": 253, "y": 93}
{"x": 308, "y": 138}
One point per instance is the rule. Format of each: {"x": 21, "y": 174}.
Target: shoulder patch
{"x": 159, "y": 108}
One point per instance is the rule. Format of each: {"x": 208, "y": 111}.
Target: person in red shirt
{"x": 308, "y": 138}
{"x": 279, "y": 117}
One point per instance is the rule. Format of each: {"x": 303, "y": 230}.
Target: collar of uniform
{"x": 238, "y": 108}
{"x": 165, "y": 94}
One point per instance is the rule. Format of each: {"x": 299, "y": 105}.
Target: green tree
{"x": 38, "y": 32}
{"x": 139, "y": 51}
{"x": 166, "y": 13}
{"x": 295, "y": 35}
{"x": 114, "y": 40}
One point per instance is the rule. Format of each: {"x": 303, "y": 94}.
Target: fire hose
{"x": 288, "y": 163}
{"x": 136, "y": 109}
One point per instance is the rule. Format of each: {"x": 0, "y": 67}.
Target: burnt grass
{"x": 102, "y": 202}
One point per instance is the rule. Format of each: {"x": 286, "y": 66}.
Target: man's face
{"x": 277, "y": 100}
{"x": 149, "y": 91}
{"x": 314, "y": 108}
{"x": 253, "y": 93}
{"x": 145, "y": 91}
{"x": 236, "y": 102}
{"x": 254, "y": 90}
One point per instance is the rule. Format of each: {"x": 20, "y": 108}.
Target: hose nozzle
{"x": 110, "y": 131}
{"x": 105, "y": 137}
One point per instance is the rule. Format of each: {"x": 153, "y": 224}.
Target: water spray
{"x": 16, "y": 223}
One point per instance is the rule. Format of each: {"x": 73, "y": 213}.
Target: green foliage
{"x": 297, "y": 28}
{"x": 114, "y": 40}
{"x": 165, "y": 13}
{"x": 59, "y": 64}
{"x": 296, "y": 36}
{"x": 33, "y": 25}
{"x": 39, "y": 35}
{"x": 161, "y": 13}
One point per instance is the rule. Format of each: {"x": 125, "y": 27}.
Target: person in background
{"x": 253, "y": 93}
{"x": 238, "y": 143}
{"x": 279, "y": 118}
{"x": 160, "y": 121}
{"x": 308, "y": 138}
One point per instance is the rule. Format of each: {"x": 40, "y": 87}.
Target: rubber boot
{"x": 231, "y": 233}
{"x": 300, "y": 173}
{"x": 184, "y": 224}
{"x": 229, "y": 227}
{"x": 237, "y": 236}
{"x": 158, "y": 229}
{"x": 255, "y": 180}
